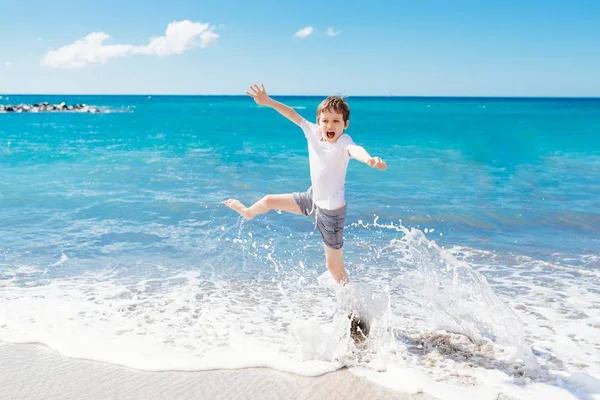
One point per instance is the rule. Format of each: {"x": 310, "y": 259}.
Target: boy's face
{"x": 332, "y": 125}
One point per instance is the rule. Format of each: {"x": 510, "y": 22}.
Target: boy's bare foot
{"x": 237, "y": 206}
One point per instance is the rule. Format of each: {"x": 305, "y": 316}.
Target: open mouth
{"x": 330, "y": 135}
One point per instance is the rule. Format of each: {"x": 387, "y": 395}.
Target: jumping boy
{"x": 329, "y": 151}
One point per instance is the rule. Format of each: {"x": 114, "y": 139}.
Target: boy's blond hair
{"x": 334, "y": 103}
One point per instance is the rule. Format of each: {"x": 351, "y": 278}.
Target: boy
{"x": 329, "y": 151}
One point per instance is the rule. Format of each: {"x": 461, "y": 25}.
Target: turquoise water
{"x": 132, "y": 195}
{"x": 507, "y": 175}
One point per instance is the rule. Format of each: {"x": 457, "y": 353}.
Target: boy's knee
{"x": 268, "y": 200}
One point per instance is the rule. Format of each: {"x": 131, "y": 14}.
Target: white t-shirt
{"x": 328, "y": 166}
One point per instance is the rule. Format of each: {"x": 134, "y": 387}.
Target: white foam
{"x": 328, "y": 342}
{"x": 63, "y": 259}
{"x": 26, "y": 270}
{"x": 442, "y": 324}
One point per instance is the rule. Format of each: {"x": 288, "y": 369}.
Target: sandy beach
{"x": 37, "y": 372}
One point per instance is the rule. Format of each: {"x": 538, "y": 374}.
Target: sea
{"x": 475, "y": 256}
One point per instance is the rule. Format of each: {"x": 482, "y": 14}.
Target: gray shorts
{"x": 329, "y": 222}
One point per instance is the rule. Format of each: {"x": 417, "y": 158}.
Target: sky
{"x": 379, "y": 48}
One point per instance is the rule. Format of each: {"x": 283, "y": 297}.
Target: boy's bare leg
{"x": 283, "y": 202}
{"x": 334, "y": 258}
{"x": 359, "y": 327}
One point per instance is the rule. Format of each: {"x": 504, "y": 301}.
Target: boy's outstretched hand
{"x": 377, "y": 162}
{"x": 259, "y": 94}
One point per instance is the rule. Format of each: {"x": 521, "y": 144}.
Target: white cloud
{"x": 7, "y": 63}
{"x": 39, "y": 39}
{"x": 179, "y": 37}
{"x": 331, "y": 32}
{"x": 304, "y": 32}
{"x": 85, "y": 51}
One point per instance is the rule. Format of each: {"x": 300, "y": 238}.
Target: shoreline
{"x": 34, "y": 371}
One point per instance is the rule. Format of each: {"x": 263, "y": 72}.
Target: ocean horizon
{"x": 315, "y": 95}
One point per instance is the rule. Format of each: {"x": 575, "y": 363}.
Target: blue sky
{"x": 404, "y": 48}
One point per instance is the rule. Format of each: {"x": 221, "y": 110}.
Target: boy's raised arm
{"x": 362, "y": 155}
{"x": 260, "y": 96}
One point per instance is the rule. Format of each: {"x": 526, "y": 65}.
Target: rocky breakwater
{"x": 47, "y": 107}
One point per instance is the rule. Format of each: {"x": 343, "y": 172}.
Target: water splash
{"x": 458, "y": 299}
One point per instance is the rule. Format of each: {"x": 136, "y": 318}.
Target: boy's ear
{"x": 347, "y": 123}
